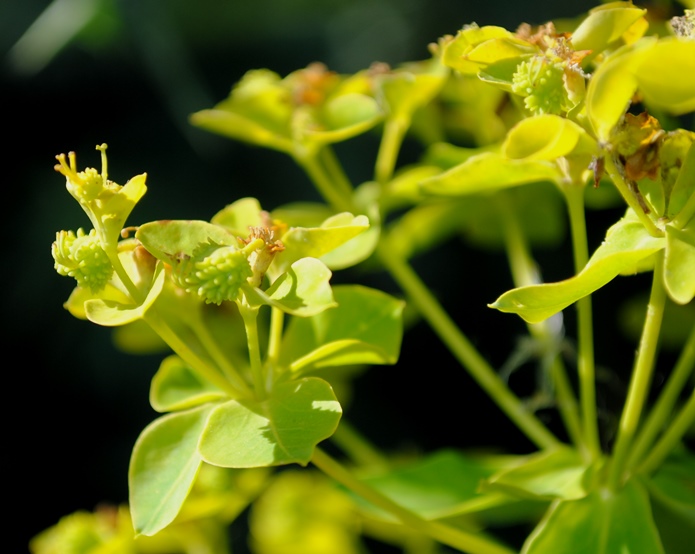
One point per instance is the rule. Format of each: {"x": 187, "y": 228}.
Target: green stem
{"x": 671, "y": 438}
{"x": 335, "y": 170}
{"x": 464, "y": 541}
{"x": 524, "y": 273}
{"x": 641, "y": 375}
{"x": 391, "y": 139}
{"x": 250, "y": 317}
{"x": 464, "y": 351}
{"x": 325, "y": 184}
{"x": 624, "y": 189}
{"x": 181, "y": 348}
{"x": 664, "y": 405}
{"x": 574, "y": 194}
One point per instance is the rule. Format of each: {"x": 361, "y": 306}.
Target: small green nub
{"x": 218, "y": 276}
{"x": 81, "y": 256}
{"x": 541, "y": 84}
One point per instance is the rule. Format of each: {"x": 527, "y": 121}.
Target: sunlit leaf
{"x": 163, "y": 466}
{"x": 488, "y": 172}
{"x": 456, "y": 50}
{"x": 303, "y": 290}
{"x": 627, "y": 244}
{"x": 111, "y": 313}
{"x": 605, "y": 24}
{"x": 665, "y": 75}
{"x": 282, "y": 429}
{"x": 364, "y": 328}
{"x": 604, "y": 522}
{"x": 176, "y": 386}
{"x": 173, "y": 240}
{"x": 547, "y": 137}
{"x": 238, "y": 216}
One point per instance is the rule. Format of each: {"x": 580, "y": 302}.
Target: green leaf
{"x": 238, "y": 216}
{"x": 612, "y": 87}
{"x": 447, "y": 483}
{"x": 679, "y": 263}
{"x": 665, "y": 75}
{"x": 303, "y": 290}
{"x": 316, "y": 242}
{"x": 282, "y": 429}
{"x": 173, "y": 240}
{"x": 550, "y": 475}
{"x": 365, "y": 328}
{"x": 118, "y": 207}
{"x": 455, "y": 51}
{"x": 342, "y": 117}
{"x": 603, "y": 522}
{"x": 111, "y": 313}
{"x": 176, "y": 386}
{"x": 627, "y": 244}
{"x": 547, "y": 137}
{"x": 488, "y": 172}
{"x": 605, "y": 25}
{"x": 163, "y": 467}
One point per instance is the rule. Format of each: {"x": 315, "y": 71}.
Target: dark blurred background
{"x": 76, "y": 73}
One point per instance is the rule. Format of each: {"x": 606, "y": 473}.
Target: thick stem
{"x": 574, "y": 195}
{"x": 641, "y": 375}
{"x": 666, "y": 402}
{"x": 277, "y": 320}
{"x": 394, "y": 131}
{"x": 464, "y": 541}
{"x": 250, "y": 317}
{"x": 325, "y": 184}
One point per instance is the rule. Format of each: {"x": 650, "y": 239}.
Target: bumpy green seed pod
{"x": 81, "y": 256}
{"x": 216, "y": 274}
{"x": 541, "y": 83}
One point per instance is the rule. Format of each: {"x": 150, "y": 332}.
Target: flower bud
{"x": 216, "y": 276}
{"x": 541, "y": 83}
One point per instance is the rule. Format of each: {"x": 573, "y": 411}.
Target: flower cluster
{"x": 81, "y": 256}
{"x": 540, "y": 82}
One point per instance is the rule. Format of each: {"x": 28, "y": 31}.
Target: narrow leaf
{"x": 627, "y": 244}
{"x": 163, "y": 467}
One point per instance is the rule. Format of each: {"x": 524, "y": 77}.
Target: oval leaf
{"x": 626, "y": 244}
{"x": 303, "y": 290}
{"x": 605, "y": 24}
{"x": 163, "y": 467}
{"x": 365, "y": 328}
{"x": 282, "y": 429}
{"x": 176, "y": 386}
{"x": 546, "y": 137}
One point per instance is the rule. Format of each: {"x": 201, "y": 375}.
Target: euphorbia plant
{"x": 260, "y": 338}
